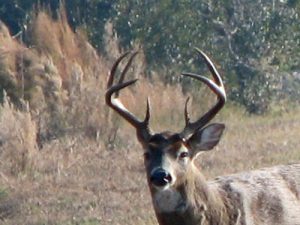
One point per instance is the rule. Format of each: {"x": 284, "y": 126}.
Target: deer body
{"x": 262, "y": 197}
{"x": 181, "y": 195}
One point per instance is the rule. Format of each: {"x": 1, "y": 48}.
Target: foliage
{"x": 241, "y": 35}
{"x": 254, "y": 41}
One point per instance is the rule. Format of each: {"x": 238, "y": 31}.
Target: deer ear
{"x": 206, "y": 138}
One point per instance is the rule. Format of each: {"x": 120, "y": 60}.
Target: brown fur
{"x": 206, "y": 204}
{"x": 264, "y": 197}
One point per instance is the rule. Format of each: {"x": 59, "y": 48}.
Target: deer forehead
{"x": 166, "y": 143}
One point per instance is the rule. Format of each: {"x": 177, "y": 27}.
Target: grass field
{"x": 76, "y": 180}
{"x": 65, "y": 159}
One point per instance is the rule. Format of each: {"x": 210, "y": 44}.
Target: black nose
{"x": 160, "y": 178}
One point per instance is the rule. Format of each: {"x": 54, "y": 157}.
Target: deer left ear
{"x": 206, "y": 138}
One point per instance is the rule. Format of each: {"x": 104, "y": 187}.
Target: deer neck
{"x": 196, "y": 203}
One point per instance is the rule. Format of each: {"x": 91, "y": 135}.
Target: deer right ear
{"x": 206, "y": 138}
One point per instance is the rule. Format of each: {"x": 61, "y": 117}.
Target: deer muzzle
{"x": 160, "y": 178}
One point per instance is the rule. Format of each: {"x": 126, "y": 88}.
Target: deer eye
{"x": 147, "y": 156}
{"x": 183, "y": 155}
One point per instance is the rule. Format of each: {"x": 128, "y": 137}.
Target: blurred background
{"x": 65, "y": 158}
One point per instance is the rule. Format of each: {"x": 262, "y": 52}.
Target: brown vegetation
{"x": 63, "y": 158}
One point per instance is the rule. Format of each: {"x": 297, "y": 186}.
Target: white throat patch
{"x": 168, "y": 200}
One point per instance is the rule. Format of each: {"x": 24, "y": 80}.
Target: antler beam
{"x": 113, "y": 101}
{"x": 216, "y": 86}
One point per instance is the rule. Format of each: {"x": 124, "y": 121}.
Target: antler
{"x": 142, "y": 127}
{"x": 216, "y": 86}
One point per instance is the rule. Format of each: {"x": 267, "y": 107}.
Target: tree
{"x": 255, "y": 42}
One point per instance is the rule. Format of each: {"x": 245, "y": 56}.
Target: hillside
{"x": 66, "y": 159}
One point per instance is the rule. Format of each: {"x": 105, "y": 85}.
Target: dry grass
{"x": 64, "y": 159}
{"x": 17, "y": 139}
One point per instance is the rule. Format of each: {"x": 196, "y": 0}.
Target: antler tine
{"x": 218, "y": 90}
{"x": 217, "y": 87}
{"x": 114, "y": 69}
{"x": 115, "y": 103}
{"x": 211, "y": 67}
{"x": 125, "y": 70}
{"x": 186, "y": 113}
{"x": 147, "y": 117}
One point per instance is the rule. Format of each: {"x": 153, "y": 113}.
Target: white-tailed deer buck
{"x": 181, "y": 195}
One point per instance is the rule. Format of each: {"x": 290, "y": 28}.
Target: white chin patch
{"x": 168, "y": 200}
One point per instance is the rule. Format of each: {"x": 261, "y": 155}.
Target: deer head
{"x": 169, "y": 156}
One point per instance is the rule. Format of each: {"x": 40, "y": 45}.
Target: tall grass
{"x": 18, "y": 139}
